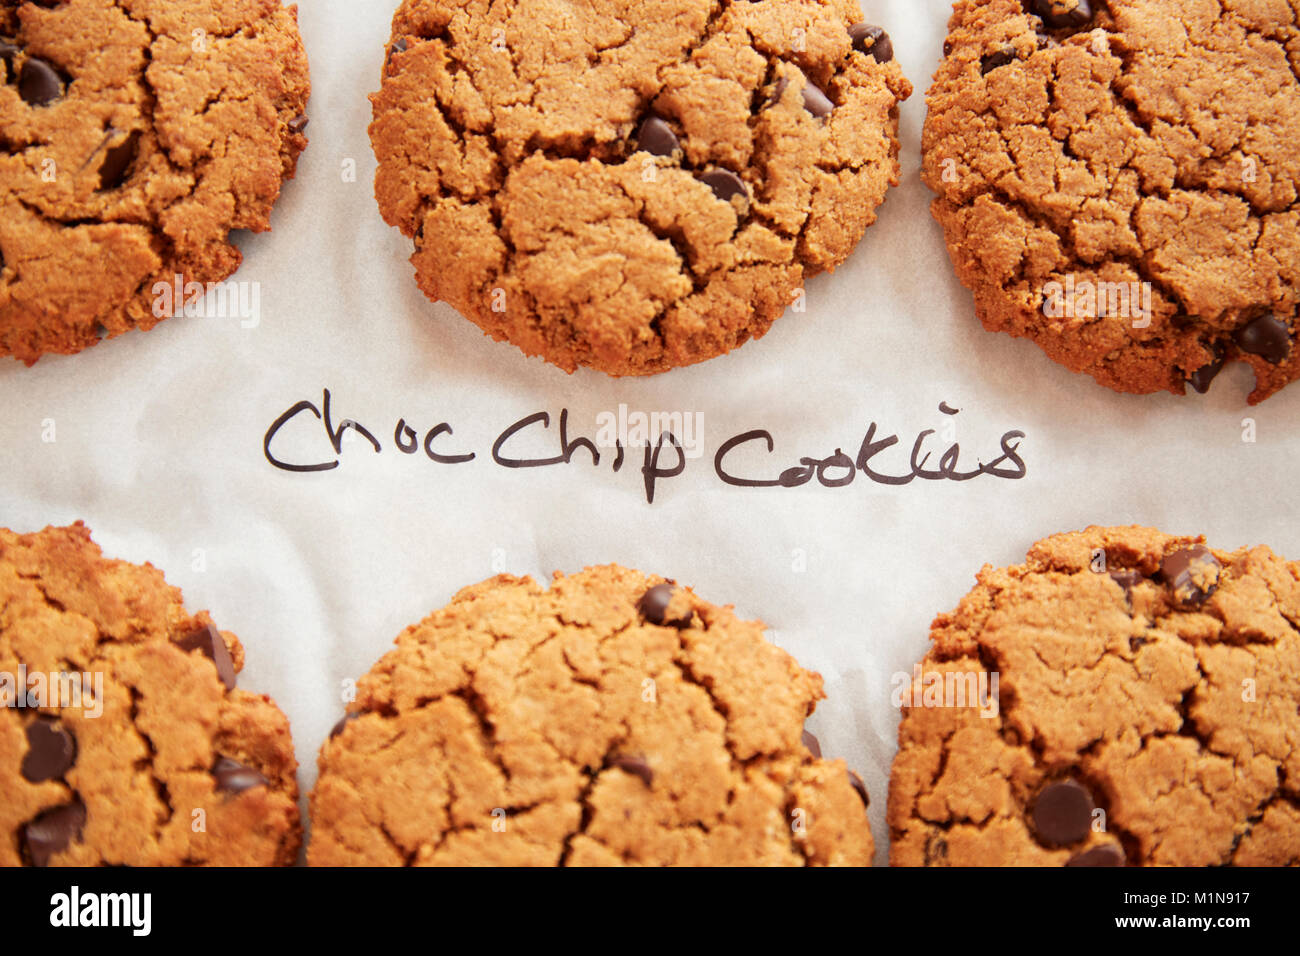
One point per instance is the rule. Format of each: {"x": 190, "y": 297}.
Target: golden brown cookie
{"x": 135, "y": 135}
{"x": 1117, "y": 181}
{"x": 632, "y": 186}
{"x": 1147, "y": 712}
{"x": 123, "y": 741}
{"x": 612, "y": 719}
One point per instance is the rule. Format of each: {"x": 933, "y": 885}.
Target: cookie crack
{"x": 161, "y": 791}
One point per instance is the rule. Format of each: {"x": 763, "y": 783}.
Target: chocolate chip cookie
{"x": 123, "y": 740}
{"x": 1146, "y": 711}
{"x": 1117, "y": 181}
{"x": 633, "y": 186}
{"x": 135, "y": 135}
{"x": 612, "y": 719}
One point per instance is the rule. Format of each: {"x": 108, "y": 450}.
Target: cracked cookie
{"x": 135, "y": 136}
{"x": 1146, "y": 712}
{"x": 123, "y": 740}
{"x": 1117, "y": 182}
{"x": 632, "y": 186}
{"x": 612, "y": 719}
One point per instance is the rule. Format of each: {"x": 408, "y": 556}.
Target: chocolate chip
{"x": 948, "y": 47}
{"x": 38, "y": 83}
{"x": 1126, "y": 578}
{"x": 1108, "y": 855}
{"x": 991, "y": 61}
{"x": 778, "y": 91}
{"x": 118, "y": 161}
{"x": 233, "y": 777}
{"x": 725, "y": 184}
{"x": 208, "y": 640}
{"x": 53, "y": 831}
{"x": 657, "y": 138}
{"x": 654, "y": 607}
{"x": 398, "y": 46}
{"x": 51, "y": 750}
{"x": 298, "y": 124}
{"x": 855, "y": 781}
{"x": 1192, "y": 572}
{"x": 637, "y": 766}
{"x": 813, "y": 745}
{"x": 343, "y": 722}
{"x": 1203, "y": 376}
{"x": 872, "y": 41}
{"x": 1060, "y": 14}
{"x": 1063, "y": 812}
{"x": 816, "y": 102}
{"x": 1267, "y": 336}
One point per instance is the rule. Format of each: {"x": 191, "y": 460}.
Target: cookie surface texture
{"x": 632, "y": 185}
{"x": 611, "y": 719}
{"x": 1117, "y": 182}
{"x": 1146, "y": 712}
{"x": 123, "y": 740}
{"x": 135, "y": 135}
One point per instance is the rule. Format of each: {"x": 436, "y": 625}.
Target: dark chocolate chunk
{"x": 654, "y": 607}
{"x": 298, "y": 124}
{"x": 1107, "y": 855}
{"x": 856, "y": 782}
{"x": 1192, "y": 572}
{"x": 813, "y": 744}
{"x": 233, "y": 777}
{"x": 398, "y": 46}
{"x": 1267, "y": 336}
{"x": 53, "y": 831}
{"x": 343, "y": 722}
{"x": 657, "y": 138}
{"x": 816, "y": 102}
{"x": 1126, "y": 577}
{"x": 118, "y": 160}
{"x": 725, "y": 184}
{"x": 208, "y": 640}
{"x": 637, "y": 766}
{"x": 778, "y": 91}
{"x": 991, "y": 61}
{"x": 1203, "y": 376}
{"x": 872, "y": 41}
{"x": 38, "y": 83}
{"x": 1063, "y": 812}
{"x": 1062, "y": 14}
{"x": 51, "y": 750}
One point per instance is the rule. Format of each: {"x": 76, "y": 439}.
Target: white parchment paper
{"x": 158, "y": 443}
